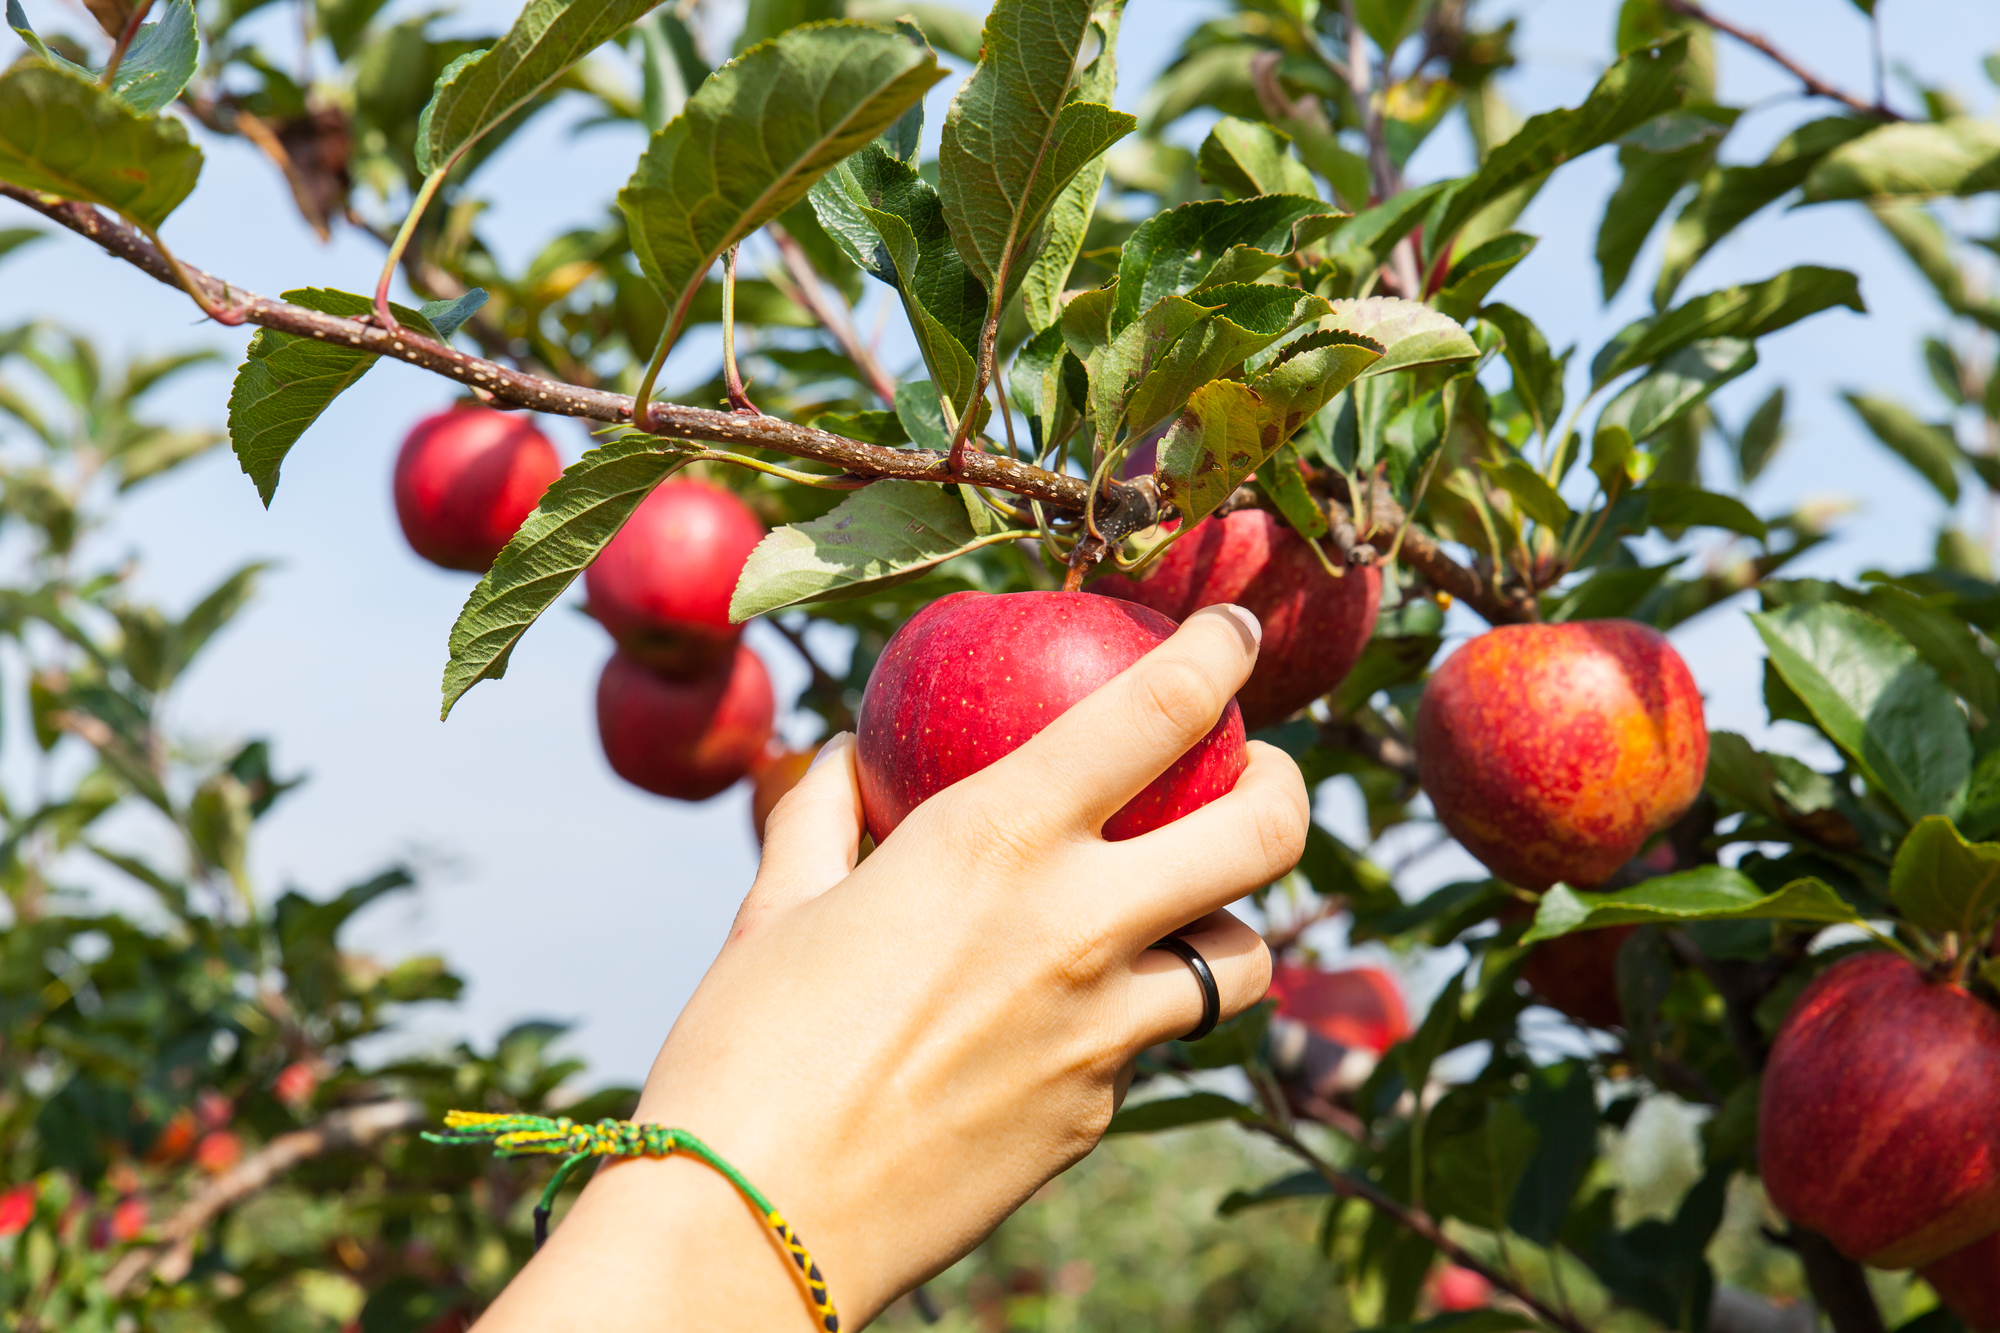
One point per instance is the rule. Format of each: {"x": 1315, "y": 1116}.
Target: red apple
{"x": 662, "y": 585}
{"x": 17, "y": 1209}
{"x": 1315, "y": 625}
{"x": 971, "y": 676}
{"x": 1455, "y": 1289}
{"x": 1360, "y": 1008}
{"x": 1553, "y": 752}
{"x": 687, "y": 739}
{"x": 1578, "y": 974}
{"x": 466, "y": 480}
{"x": 1968, "y": 1282}
{"x": 776, "y": 774}
{"x": 218, "y": 1151}
{"x": 1877, "y": 1126}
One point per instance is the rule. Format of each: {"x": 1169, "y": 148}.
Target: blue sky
{"x": 561, "y": 892}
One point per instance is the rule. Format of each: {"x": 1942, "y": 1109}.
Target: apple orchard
{"x": 1148, "y": 371}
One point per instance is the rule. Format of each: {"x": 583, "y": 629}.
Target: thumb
{"x": 813, "y": 836}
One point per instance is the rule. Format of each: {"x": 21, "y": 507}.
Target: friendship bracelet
{"x": 523, "y": 1135}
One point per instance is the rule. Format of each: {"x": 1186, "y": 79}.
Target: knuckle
{"x": 1175, "y": 692}
{"x": 1277, "y": 828}
{"x": 1082, "y": 951}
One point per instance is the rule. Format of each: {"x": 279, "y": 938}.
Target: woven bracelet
{"x": 526, "y": 1135}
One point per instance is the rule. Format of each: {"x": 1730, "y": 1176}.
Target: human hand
{"x": 900, "y": 1052}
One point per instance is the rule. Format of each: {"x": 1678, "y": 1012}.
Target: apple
{"x": 218, "y": 1151}
{"x": 1455, "y": 1289}
{"x": 687, "y": 739}
{"x": 1315, "y": 625}
{"x": 1876, "y": 1126}
{"x": 1578, "y": 974}
{"x": 776, "y": 774}
{"x": 466, "y": 479}
{"x": 662, "y": 585}
{"x": 971, "y": 676}
{"x": 1968, "y": 1282}
{"x": 17, "y": 1209}
{"x": 1553, "y": 752}
{"x": 1360, "y": 1008}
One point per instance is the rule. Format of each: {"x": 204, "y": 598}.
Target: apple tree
{"x": 1150, "y": 370}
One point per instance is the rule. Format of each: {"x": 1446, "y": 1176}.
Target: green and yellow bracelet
{"x": 524, "y": 1135}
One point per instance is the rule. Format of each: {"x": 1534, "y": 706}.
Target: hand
{"x": 900, "y": 1052}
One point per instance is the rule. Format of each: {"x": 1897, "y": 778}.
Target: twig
{"x": 172, "y": 1253}
{"x": 732, "y": 374}
{"x": 1422, "y": 553}
{"x": 125, "y": 39}
{"x": 1391, "y": 752}
{"x": 1838, "y": 1285}
{"x": 839, "y": 716}
{"x": 813, "y": 297}
{"x": 1814, "y": 85}
{"x": 1418, "y": 1223}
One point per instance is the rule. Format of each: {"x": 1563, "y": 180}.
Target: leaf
{"x": 1748, "y": 311}
{"x": 765, "y": 19}
{"x": 1069, "y": 219}
{"x": 1474, "y": 1176}
{"x": 1640, "y": 86}
{"x": 1693, "y": 507}
{"x": 1174, "y": 253}
{"x": 286, "y": 381}
{"x": 1470, "y": 278}
{"x": 752, "y": 140}
{"x": 1298, "y": 1185}
{"x": 944, "y": 26}
{"x": 159, "y": 62}
{"x": 577, "y": 516}
{"x": 1309, "y": 372}
{"x": 1706, "y": 893}
{"x": 1531, "y": 491}
{"x": 1911, "y": 158}
{"x": 1676, "y": 385}
{"x": 1942, "y": 882}
{"x": 884, "y": 532}
{"x": 1762, "y": 434}
{"x": 1876, "y": 699}
{"x": 1049, "y": 387}
{"x": 1197, "y": 1108}
{"x": 1250, "y": 158}
{"x": 1245, "y": 320}
{"x": 1280, "y": 479}
{"x": 1931, "y": 449}
{"x": 1561, "y": 1104}
{"x": 1538, "y": 376}
{"x": 60, "y": 134}
{"x": 475, "y": 95}
{"x": 1410, "y": 332}
{"x": 1014, "y": 138}
{"x": 1655, "y": 169}
{"x": 1942, "y": 639}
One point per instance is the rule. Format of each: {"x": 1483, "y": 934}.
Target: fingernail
{"x": 834, "y": 744}
{"x": 1248, "y": 620}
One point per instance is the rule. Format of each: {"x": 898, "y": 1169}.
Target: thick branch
{"x": 172, "y": 1253}
{"x": 1814, "y": 85}
{"x": 517, "y": 389}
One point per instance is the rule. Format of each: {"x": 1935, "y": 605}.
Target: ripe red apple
{"x": 1455, "y": 1289}
{"x": 218, "y": 1151}
{"x": 17, "y": 1209}
{"x": 1877, "y": 1126}
{"x": 971, "y": 676}
{"x": 1552, "y": 752}
{"x": 466, "y": 479}
{"x": 1315, "y": 625}
{"x": 687, "y": 739}
{"x": 1578, "y": 974}
{"x": 1360, "y": 1008}
{"x": 776, "y": 774}
{"x": 662, "y": 585}
{"x": 1968, "y": 1282}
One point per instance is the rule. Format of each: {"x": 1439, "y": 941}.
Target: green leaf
{"x": 1942, "y": 639}
{"x": 765, "y": 19}
{"x": 1298, "y": 1185}
{"x": 1676, "y": 385}
{"x": 1471, "y": 277}
{"x": 883, "y": 533}
{"x": 752, "y": 140}
{"x": 1911, "y": 158}
{"x": 1250, "y": 158}
{"x": 1069, "y": 219}
{"x": 1247, "y": 318}
{"x": 1175, "y": 252}
{"x": 1561, "y": 1104}
{"x": 1531, "y": 491}
{"x": 1049, "y": 387}
{"x": 1197, "y": 1108}
{"x": 286, "y": 381}
{"x": 1388, "y": 22}
{"x": 577, "y": 516}
{"x": 1655, "y": 169}
{"x": 61, "y": 134}
{"x": 944, "y": 26}
{"x": 1876, "y": 699}
{"x": 1762, "y": 434}
{"x": 1474, "y": 1176}
{"x": 1280, "y": 479}
{"x": 1942, "y": 882}
{"x": 1538, "y": 376}
{"x": 159, "y": 62}
{"x": 1693, "y": 507}
{"x": 1706, "y": 893}
{"x": 1931, "y": 449}
{"x": 547, "y": 38}
{"x": 1640, "y": 86}
{"x": 1748, "y": 311}
{"x": 1410, "y": 332}
{"x": 1309, "y": 372}
{"x": 1014, "y": 137}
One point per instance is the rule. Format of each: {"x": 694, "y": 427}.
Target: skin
{"x": 687, "y": 739}
{"x": 1968, "y": 1281}
{"x": 466, "y": 479}
{"x": 900, "y": 1051}
{"x": 662, "y": 586}
{"x": 1553, "y": 752}
{"x": 1876, "y": 1124}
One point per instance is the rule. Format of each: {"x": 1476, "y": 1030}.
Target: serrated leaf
{"x": 765, "y": 19}
{"x": 1217, "y": 442}
{"x": 1117, "y": 365}
{"x": 918, "y": 259}
{"x": 1929, "y": 448}
{"x": 1250, "y": 158}
{"x": 1246, "y": 319}
{"x": 1676, "y": 385}
{"x": 1410, "y": 332}
{"x": 1069, "y": 219}
{"x": 753, "y": 139}
{"x": 1197, "y": 1108}
{"x": 1874, "y": 697}
{"x": 1014, "y": 138}
{"x": 1706, "y": 893}
{"x": 1173, "y": 253}
{"x": 1471, "y": 277}
{"x": 1942, "y": 882}
{"x": 160, "y": 60}
{"x": 1309, "y": 372}
{"x": 1531, "y": 491}
{"x": 1911, "y": 158}
{"x": 1942, "y": 639}
{"x": 61, "y": 134}
{"x": 577, "y": 516}
{"x": 1280, "y": 479}
{"x": 1747, "y": 311}
{"x": 1049, "y": 387}
{"x": 547, "y": 38}
{"x": 881, "y": 534}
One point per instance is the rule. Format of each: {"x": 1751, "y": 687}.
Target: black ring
{"x": 1211, "y": 998}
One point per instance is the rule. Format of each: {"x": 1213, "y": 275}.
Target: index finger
{"x": 1086, "y": 764}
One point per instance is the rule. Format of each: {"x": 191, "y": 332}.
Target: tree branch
{"x": 1814, "y": 85}
{"x": 518, "y": 389}
{"x": 1381, "y": 515}
{"x": 172, "y": 1253}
